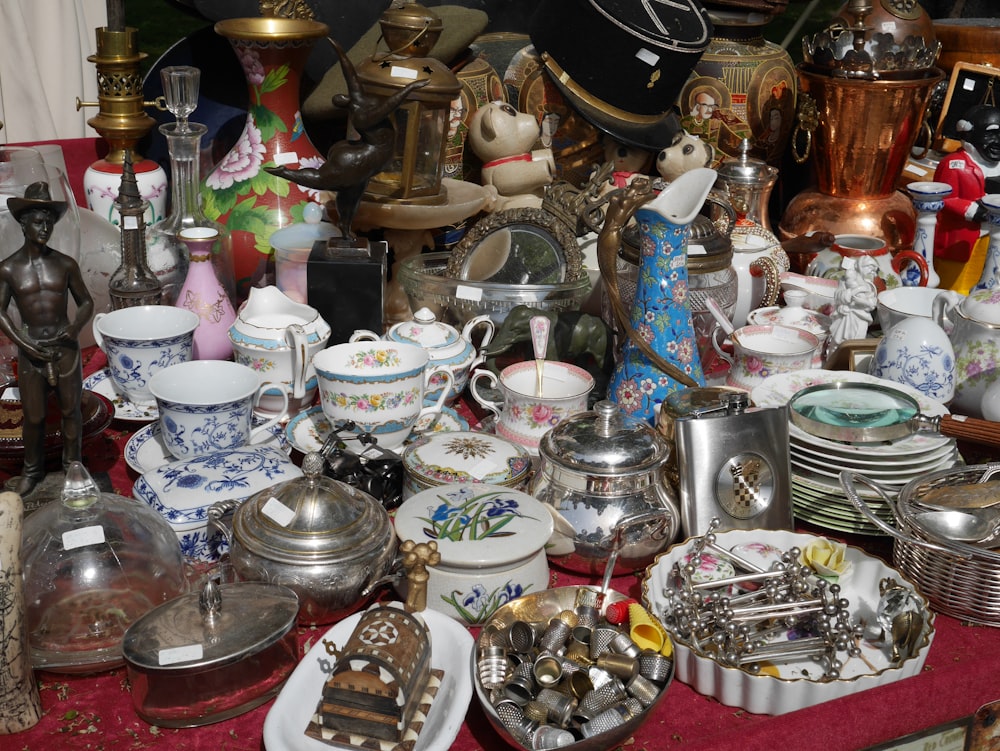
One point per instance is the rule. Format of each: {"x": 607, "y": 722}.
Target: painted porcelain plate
{"x": 146, "y": 451}
{"x": 307, "y": 430}
{"x": 797, "y": 684}
{"x": 451, "y": 652}
{"x": 776, "y": 390}
{"x": 101, "y": 383}
{"x": 182, "y": 491}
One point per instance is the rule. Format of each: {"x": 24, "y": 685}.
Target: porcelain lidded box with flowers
{"x": 492, "y": 545}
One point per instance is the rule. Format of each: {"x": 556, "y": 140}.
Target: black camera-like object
{"x": 357, "y": 459}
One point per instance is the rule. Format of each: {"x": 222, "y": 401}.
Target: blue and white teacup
{"x": 380, "y": 386}
{"x": 208, "y": 405}
{"x": 141, "y": 341}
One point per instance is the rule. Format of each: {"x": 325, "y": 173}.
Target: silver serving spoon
{"x": 969, "y": 525}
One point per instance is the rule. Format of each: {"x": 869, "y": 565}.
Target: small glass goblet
{"x": 180, "y": 90}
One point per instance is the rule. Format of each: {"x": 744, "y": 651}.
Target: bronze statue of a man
{"x": 39, "y": 280}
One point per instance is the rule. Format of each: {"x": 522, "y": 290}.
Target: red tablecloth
{"x": 95, "y": 713}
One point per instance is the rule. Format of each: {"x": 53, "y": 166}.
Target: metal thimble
{"x": 600, "y": 640}
{"x": 605, "y": 721}
{"x": 586, "y": 607}
{"x": 622, "y": 644}
{"x": 509, "y": 712}
{"x": 620, "y": 666}
{"x": 522, "y": 635}
{"x": 555, "y": 637}
{"x": 547, "y": 671}
{"x": 492, "y": 666}
{"x": 492, "y": 636}
{"x": 519, "y": 688}
{"x": 569, "y": 617}
{"x": 548, "y": 737}
{"x": 655, "y": 666}
{"x": 633, "y": 708}
{"x": 599, "y": 677}
{"x": 579, "y": 644}
{"x": 560, "y": 706}
{"x": 536, "y": 711}
{"x": 599, "y": 699}
{"x": 643, "y": 689}
{"x": 578, "y": 684}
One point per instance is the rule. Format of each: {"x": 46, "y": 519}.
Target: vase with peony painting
{"x": 238, "y": 192}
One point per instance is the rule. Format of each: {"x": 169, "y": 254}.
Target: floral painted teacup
{"x": 380, "y": 386}
{"x": 762, "y": 351}
{"x": 140, "y": 342}
{"x": 526, "y": 414}
{"x": 207, "y": 406}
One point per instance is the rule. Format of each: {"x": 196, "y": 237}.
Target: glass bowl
{"x": 457, "y": 300}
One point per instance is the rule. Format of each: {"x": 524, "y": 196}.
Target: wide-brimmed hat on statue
{"x": 36, "y": 196}
{"x": 622, "y": 65}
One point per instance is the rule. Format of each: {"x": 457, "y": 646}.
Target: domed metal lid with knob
{"x": 322, "y": 538}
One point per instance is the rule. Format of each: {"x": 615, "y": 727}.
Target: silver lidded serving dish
{"x": 322, "y": 538}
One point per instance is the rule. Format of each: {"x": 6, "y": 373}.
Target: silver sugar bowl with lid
{"x": 325, "y": 540}
{"x": 601, "y": 476}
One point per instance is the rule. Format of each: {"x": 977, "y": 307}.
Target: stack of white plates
{"x": 817, "y": 462}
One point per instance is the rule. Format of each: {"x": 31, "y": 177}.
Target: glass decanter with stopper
{"x": 168, "y": 255}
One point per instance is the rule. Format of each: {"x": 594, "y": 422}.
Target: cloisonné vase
{"x": 238, "y": 192}
{"x": 661, "y": 310}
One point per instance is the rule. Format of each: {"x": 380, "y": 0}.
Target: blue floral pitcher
{"x": 660, "y": 354}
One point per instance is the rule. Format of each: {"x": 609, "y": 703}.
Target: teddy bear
{"x": 685, "y": 152}
{"x": 502, "y": 138}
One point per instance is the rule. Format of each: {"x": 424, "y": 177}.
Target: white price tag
{"x": 286, "y": 157}
{"x": 130, "y": 222}
{"x": 647, "y": 56}
{"x": 13, "y": 394}
{"x": 78, "y": 538}
{"x": 481, "y": 469}
{"x": 969, "y": 84}
{"x": 398, "y": 71}
{"x": 696, "y": 250}
{"x": 278, "y": 512}
{"x": 917, "y": 170}
{"x": 175, "y": 655}
{"x": 464, "y": 292}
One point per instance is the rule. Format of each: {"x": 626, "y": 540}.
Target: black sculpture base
{"x": 346, "y": 284}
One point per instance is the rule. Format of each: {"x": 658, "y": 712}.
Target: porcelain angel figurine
{"x": 854, "y": 301}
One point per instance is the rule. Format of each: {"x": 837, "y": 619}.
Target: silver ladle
{"x": 973, "y": 525}
{"x": 969, "y": 525}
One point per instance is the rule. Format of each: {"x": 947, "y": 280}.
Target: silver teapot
{"x": 601, "y": 475}
{"x": 322, "y": 538}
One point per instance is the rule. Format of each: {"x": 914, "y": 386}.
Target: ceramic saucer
{"x": 307, "y": 430}
{"x": 101, "y": 383}
{"x": 146, "y": 451}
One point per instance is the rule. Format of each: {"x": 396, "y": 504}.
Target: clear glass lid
{"x": 93, "y": 564}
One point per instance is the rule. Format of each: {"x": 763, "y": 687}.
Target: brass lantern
{"x": 414, "y": 173}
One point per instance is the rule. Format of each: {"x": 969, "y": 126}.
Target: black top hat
{"x": 36, "y": 196}
{"x": 622, "y": 65}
